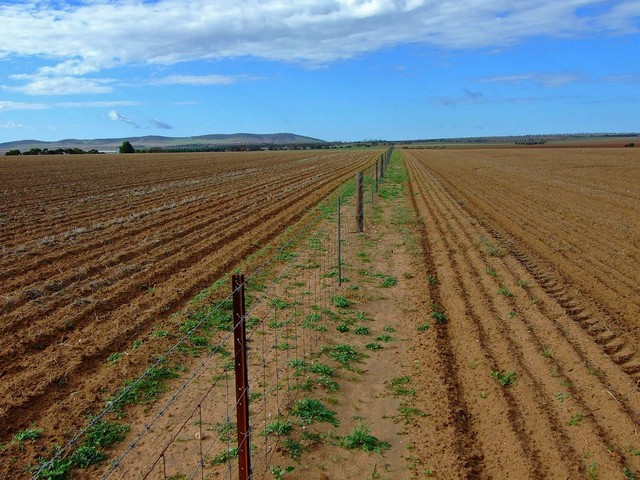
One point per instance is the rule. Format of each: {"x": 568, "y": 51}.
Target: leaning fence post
{"x": 339, "y": 245}
{"x": 359, "y": 202}
{"x": 242, "y": 378}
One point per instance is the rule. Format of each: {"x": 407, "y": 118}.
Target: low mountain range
{"x": 150, "y": 141}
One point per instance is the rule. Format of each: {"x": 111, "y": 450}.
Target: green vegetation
{"x": 278, "y": 472}
{"x": 278, "y": 427}
{"x": 398, "y": 386}
{"x": 361, "y": 438}
{"x": 505, "y": 379}
{"x": 145, "y": 390}
{"x": 28, "y": 434}
{"x": 505, "y": 291}
{"x": 362, "y": 330}
{"x": 310, "y": 410}
{"x": 340, "y": 302}
{"x": 389, "y": 282}
{"x": 424, "y": 327}
{"x": 225, "y": 456}
{"x": 575, "y": 420}
{"x": 343, "y": 354}
{"x": 373, "y": 346}
{"x": 384, "y": 338}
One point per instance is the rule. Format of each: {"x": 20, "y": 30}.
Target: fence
{"x": 212, "y": 425}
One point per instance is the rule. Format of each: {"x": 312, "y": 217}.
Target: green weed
{"x": 505, "y": 379}
{"x": 310, "y": 410}
{"x": 361, "y": 438}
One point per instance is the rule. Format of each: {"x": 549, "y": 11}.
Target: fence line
{"x": 325, "y": 242}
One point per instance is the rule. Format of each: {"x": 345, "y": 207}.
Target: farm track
{"x": 52, "y": 362}
{"x": 520, "y": 431}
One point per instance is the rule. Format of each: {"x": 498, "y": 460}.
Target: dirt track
{"x": 99, "y": 249}
{"x": 532, "y": 257}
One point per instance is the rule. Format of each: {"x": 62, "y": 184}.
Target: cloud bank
{"x": 88, "y": 36}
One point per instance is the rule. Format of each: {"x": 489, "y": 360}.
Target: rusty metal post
{"x": 242, "y": 378}
{"x": 339, "y": 245}
{"x": 359, "y": 203}
{"x": 381, "y": 166}
{"x": 377, "y": 174}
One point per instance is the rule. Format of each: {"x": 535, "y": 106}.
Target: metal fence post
{"x": 339, "y": 245}
{"x": 359, "y": 202}
{"x": 242, "y": 378}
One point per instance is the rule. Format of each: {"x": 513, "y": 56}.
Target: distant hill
{"x": 150, "y": 141}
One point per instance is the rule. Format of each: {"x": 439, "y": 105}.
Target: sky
{"x": 337, "y": 70}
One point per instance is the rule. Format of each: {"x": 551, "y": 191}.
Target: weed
{"x": 389, "y": 282}
{"x": 309, "y": 409}
{"x": 225, "y": 430}
{"x": 104, "y": 433}
{"x": 505, "y": 291}
{"x": 199, "y": 341}
{"x": 58, "y": 469}
{"x": 278, "y": 472}
{"x": 114, "y": 358}
{"x": 432, "y": 280}
{"x": 389, "y": 329}
{"x": 512, "y": 314}
{"x": 483, "y": 394}
{"x": 294, "y": 448}
{"x": 407, "y": 413}
{"x": 397, "y": 386}
{"x": 439, "y": 317}
{"x": 522, "y": 283}
{"x": 282, "y": 346}
{"x": 362, "y": 316}
{"x": 30, "y": 434}
{"x": 145, "y": 389}
{"x": 159, "y": 333}
{"x": 424, "y": 327}
{"x": 364, "y": 257}
{"x": 576, "y": 420}
{"x": 343, "y": 328}
{"x": 562, "y": 396}
{"x": 634, "y": 451}
{"x": 87, "y": 455}
{"x": 491, "y": 271}
{"x": 278, "y": 304}
{"x": 546, "y": 353}
{"x": 592, "y": 471}
{"x": 362, "y": 330}
{"x": 492, "y": 249}
{"x": 278, "y": 427}
{"x": 384, "y": 338}
{"x": 505, "y": 379}
{"x": 630, "y": 474}
{"x": 361, "y": 438}
{"x": 340, "y": 302}
{"x": 344, "y": 354}
{"x": 321, "y": 369}
{"x": 373, "y": 346}
{"x": 327, "y": 383}
{"x": 225, "y": 456}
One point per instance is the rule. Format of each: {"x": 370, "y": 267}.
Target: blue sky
{"x": 330, "y": 69}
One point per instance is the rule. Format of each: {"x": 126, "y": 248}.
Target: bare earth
{"x": 514, "y": 319}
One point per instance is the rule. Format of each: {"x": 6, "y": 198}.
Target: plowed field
{"x": 533, "y": 257}
{"x": 97, "y": 249}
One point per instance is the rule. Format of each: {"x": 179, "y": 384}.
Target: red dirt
{"x": 96, "y": 250}
{"x": 534, "y": 254}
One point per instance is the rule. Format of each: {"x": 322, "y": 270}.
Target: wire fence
{"x": 192, "y": 433}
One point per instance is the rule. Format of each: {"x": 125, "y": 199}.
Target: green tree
{"x": 126, "y": 147}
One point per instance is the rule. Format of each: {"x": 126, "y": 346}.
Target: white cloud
{"x": 10, "y": 124}
{"x": 95, "y": 35}
{"x": 199, "y": 80}
{"x": 6, "y": 105}
{"x": 116, "y": 117}
{"x": 41, "y": 85}
{"x": 549, "y": 80}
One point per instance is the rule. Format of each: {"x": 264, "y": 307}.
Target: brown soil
{"x": 97, "y": 250}
{"x": 532, "y": 252}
